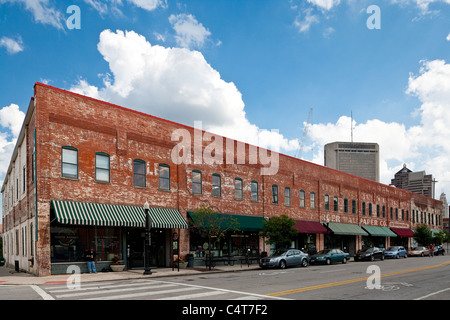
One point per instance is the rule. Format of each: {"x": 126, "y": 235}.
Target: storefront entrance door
{"x": 136, "y": 245}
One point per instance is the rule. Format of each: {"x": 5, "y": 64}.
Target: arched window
{"x": 238, "y": 189}
{"x": 69, "y": 162}
{"x": 102, "y": 167}
{"x": 139, "y": 173}
{"x": 216, "y": 185}
{"x": 164, "y": 177}
{"x": 196, "y": 182}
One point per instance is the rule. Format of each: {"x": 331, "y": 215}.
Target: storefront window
{"x": 69, "y": 243}
{"x": 234, "y": 244}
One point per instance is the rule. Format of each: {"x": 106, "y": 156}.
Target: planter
{"x": 117, "y": 267}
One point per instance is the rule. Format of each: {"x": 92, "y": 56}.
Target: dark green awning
{"x": 379, "y": 231}
{"x": 244, "y": 223}
{"x": 346, "y": 229}
{"x": 97, "y": 214}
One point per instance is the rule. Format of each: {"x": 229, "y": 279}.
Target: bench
{"x": 249, "y": 260}
{"x": 226, "y": 260}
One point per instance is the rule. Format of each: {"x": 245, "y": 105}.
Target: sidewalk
{"x": 9, "y": 277}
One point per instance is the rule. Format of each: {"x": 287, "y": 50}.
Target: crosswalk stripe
{"x": 193, "y": 296}
{"x": 96, "y": 287}
{"x": 142, "y": 287}
{"x": 142, "y": 294}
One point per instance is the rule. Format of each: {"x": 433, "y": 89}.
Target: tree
{"x": 440, "y": 237}
{"x": 423, "y": 235}
{"x": 279, "y": 230}
{"x": 212, "y": 225}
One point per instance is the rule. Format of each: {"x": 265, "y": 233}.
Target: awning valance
{"x": 405, "y": 233}
{"x": 98, "y": 214}
{"x": 244, "y": 223}
{"x": 379, "y": 231}
{"x": 346, "y": 229}
{"x": 313, "y": 227}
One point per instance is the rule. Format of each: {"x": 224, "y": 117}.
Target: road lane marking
{"x": 432, "y": 294}
{"x": 42, "y": 293}
{"x": 339, "y": 283}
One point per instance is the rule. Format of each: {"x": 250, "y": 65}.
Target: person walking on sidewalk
{"x": 90, "y": 260}
{"x": 431, "y": 248}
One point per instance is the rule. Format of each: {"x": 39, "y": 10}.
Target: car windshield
{"x": 416, "y": 248}
{"x": 367, "y": 250}
{"x": 325, "y": 251}
{"x": 392, "y": 248}
{"x": 279, "y": 253}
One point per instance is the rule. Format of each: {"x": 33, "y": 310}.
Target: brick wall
{"x": 67, "y": 119}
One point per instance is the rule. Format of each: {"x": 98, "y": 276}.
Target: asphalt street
{"x": 403, "y": 279}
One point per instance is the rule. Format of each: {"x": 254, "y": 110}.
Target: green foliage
{"x": 279, "y": 230}
{"x": 212, "y": 225}
{"x": 423, "y": 235}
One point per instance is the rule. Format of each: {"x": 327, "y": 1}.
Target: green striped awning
{"x": 243, "y": 222}
{"x": 379, "y": 231}
{"x": 346, "y": 229}
{"x": 98, "y": 214}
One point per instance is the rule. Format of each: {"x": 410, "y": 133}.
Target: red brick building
{"x": 82, "y": 170}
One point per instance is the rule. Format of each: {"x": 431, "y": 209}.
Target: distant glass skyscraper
{"x": 358, "y": 158}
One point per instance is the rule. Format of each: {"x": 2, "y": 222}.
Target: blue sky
{"x": 245, "y": 67}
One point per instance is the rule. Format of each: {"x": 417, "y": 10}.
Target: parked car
{"x": 395, "y": 252}
{"x": 439, "y": 250}
{"x": 418, "y": 252}
{"x": 285, "y": 258}
{"x": 369, "y": 254}
{"x": 329, "y": 256}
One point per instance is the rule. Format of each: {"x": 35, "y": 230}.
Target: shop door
{"x": 135, "y": 249}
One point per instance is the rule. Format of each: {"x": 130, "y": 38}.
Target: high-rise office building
{"x": 417, "y": 182}
{"x": 357, "y": 158}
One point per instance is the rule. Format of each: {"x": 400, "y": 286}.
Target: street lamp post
{"x": 148, "y": 225}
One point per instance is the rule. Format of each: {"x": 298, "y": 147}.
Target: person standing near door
{"x": 90, "y": 260}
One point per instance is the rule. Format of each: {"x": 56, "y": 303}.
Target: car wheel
{"x": 397, "y": 256}
{"x": 328, "y": 261}
{"x": 422, "y": 254}
{"x": 382, "y": 257}
{"x": 372, "y": 258}
{"x": 304, "y": 263}
{"x": 282, "y": 264}
{"x": 344, "y": 261}
{"x": 406, "y": 256}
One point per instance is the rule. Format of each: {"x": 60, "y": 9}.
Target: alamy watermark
{"x": 215, "y": 153}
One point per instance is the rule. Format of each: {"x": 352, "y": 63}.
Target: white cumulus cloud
{"x": 176, "y": 84}
{"x": 189, "y": 32}
{"x": 422, "y": 147}
{"x": 12, "y": 46}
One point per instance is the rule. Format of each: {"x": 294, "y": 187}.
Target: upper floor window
{"x": 274, "y": 194}
{"x": 302, "y": 198}
{"x": 345, "y": 205}
{"x": 196, "y": 182}
{"x": 312, "y": 200}
{"x": 335, "y": 204}
{"x": 139, "y": 173}
{"x": 164, "y": 177}
{"x": 287, "y": 196}
{"x": 216, "y": 185}
{"x": 327, "y": 202}
{"x": 353, "y": 206}
{"x": 254, "y": 187}
{"x": 238, "y": 192}
{"x": 69, "y": 162}
{"x": 102, "y": 167}
{"x": 363, "y": 208}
